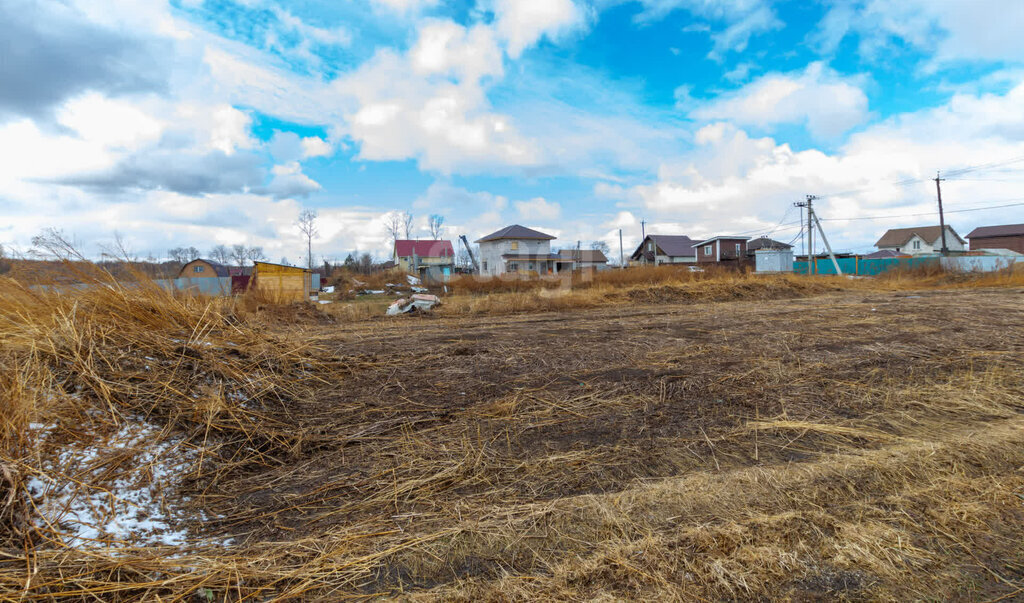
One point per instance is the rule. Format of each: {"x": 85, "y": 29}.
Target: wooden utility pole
{"x": 942, "y": 220}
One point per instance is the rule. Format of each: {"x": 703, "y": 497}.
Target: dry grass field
{"x": 703, "y": 438}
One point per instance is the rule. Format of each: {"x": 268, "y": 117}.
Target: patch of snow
{"x": 117, "y": 489}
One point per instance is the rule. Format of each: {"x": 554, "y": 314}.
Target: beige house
{"x": 919, "y": 239}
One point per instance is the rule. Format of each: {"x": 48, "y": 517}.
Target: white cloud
{"x": 523, "y": 22}
{"x": 734, "y": 183}
{"x": 826, "y": 102}
{"x": 314, "y": 146}
{"x": 445, "y": 47}
{"x": 406, "y": 6}
{"x": 949, "y": 31}
{"x": 743, "y": 19}
{"x": 538, "y": 209}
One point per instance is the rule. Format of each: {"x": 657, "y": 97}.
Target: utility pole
{"x": 643, "y": 230}
{"x": 809, "y": 204}
{"x": 621, "y": 264}
{"x": 942, "y": 220}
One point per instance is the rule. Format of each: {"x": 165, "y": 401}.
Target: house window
{"x": 737, "y": 249}
{"x": 650, "y": 245}
{"x": 485, "y": 265}
{"x": 917, "y": 244}
{"x": 513, "y": 266}
{"x": 531, "y": 266}
{"x": 707, "y": 250}
{"x": 514, "y": 245}
{"x": 198, "y": 268}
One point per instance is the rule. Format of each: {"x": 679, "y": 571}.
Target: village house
{"x": 919, "y": 239}
{"x": 723, "y": 250}
{"x": 1005, "y": 236}
{"x": 201, "y": 268}
{"x": 580, "y": 259}
{"x": 410, "y": 255}
{"x": 665, "y": 249}
{"x": 516, "y": 249}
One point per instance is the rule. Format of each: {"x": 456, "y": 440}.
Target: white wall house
{"x": 516, "y": 249}
{"x": 920, "y": 239}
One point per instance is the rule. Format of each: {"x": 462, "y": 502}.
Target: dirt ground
{"x": 812, "y": 448}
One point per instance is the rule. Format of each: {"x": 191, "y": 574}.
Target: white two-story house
{"x": 919, "y": 239}
{"x": 516, "y": 249}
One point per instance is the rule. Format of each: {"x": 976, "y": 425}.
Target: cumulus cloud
{"x": 818, "y": 97}
{"x": 51, "y": 53}
{"x": 538, "y": 209}
{"x": 289, "y": 182}
{"x": 733, "y": 182}
{"x": 522, "y": 22}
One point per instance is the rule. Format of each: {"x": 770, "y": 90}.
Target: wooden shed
{"x": 284, "y": 283}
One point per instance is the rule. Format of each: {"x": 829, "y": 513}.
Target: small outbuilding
{"x": 282, "y": 282}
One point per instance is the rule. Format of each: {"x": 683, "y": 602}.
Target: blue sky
{"x": 201, "y": 122}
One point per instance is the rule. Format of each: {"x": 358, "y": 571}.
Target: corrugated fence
{"x": 873, "y": 266}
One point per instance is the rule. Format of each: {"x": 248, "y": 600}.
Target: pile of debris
{"x": 417, "y": 303}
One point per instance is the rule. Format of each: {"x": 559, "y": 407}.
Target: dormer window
{"x": 198, "y": 268}
{"x": 514, "y": 245}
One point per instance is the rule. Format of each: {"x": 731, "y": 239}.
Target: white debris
{"x": 329, "y": 289}
{"x": 116, "y": 490}
{"x": 413, "y": 280}
{"x": 415, "y": 303}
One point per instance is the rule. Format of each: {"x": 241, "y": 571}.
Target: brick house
{"x": 724, "y": 249}
{"x": 1005, "y": 236}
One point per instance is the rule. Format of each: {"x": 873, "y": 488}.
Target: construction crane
{"x": 465, "y": 243}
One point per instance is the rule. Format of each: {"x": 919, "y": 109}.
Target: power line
{"x": 952, "y": 211}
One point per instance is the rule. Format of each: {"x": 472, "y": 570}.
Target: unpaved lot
{"x": 861, "y": 445}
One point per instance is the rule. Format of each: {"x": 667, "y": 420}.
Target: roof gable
{"x": 424, "y": 249}
{"x": 766, "y": 243}
{"x": 516, "y": 232}
{"x": 218, "y": 268}
{"x": 670, "y": 245}
{"x": 898, "y": 237}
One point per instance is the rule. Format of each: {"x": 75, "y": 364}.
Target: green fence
{"x": 863, "y": 266}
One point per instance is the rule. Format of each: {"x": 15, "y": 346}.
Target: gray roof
{"x": 766, "y": 243}
{"x": 1003, "y": 230}
{"x": 516, "y": 232}
{"x": 670, "y": 245}
{"x": 584, "y": 255}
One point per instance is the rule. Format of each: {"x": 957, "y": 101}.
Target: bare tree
{"x": 255, "y": 254}
{"x": 407, "y": 224}
{"x": 119, "y": 249}
{"x": 221, "y": 254}
{"x": 307, "y": 226}
{"x": 602, "y": 247}
{"x": 52, "y": 242}
{"x": 192, "y": 253}
{"x": 435, "y": 224}
{"x": 178, "y": 254}
{"x": 239, "y": 254}
{"x": 365, "y": 263}
{"x": 393, "y": 225}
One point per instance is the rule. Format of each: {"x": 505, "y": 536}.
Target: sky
{"x": 205, "y": 122}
